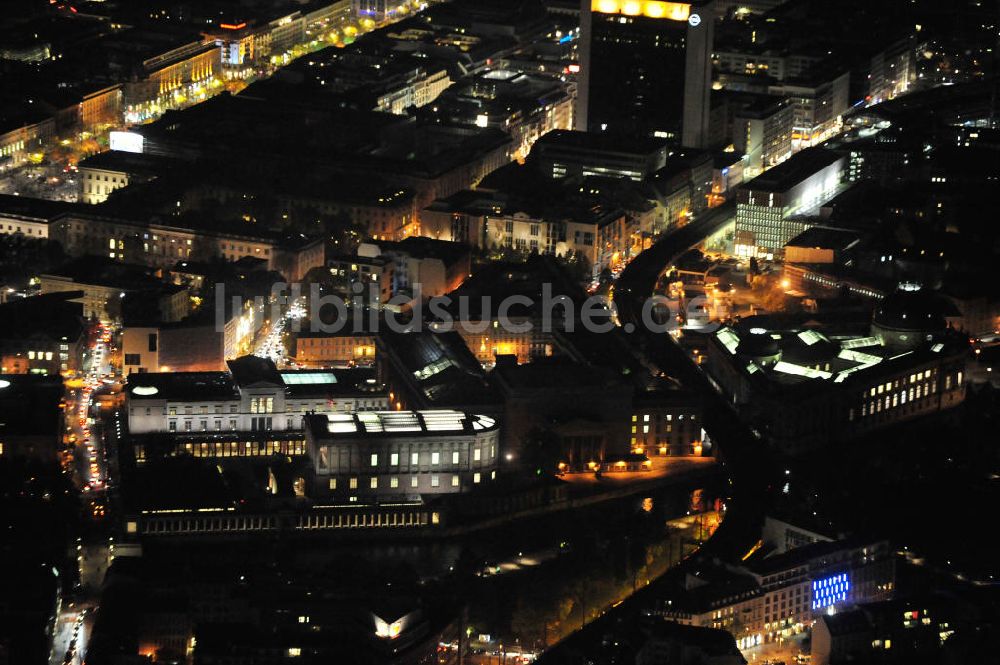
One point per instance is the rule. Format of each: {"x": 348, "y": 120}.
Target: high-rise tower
{"x": 646, "y": 68}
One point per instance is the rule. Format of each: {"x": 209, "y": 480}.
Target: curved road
{"x": 747, "y": 461}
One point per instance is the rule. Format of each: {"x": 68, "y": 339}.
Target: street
{"x": 88, "y": 466}
{"x": 272, "y": 344}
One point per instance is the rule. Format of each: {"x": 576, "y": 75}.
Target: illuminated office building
{"x": 774, "y": 207}
{"x": 645, "y": 69}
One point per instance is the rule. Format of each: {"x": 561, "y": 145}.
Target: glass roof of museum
{"x": 308, "y": 378}
{"x": 372, "y": 422}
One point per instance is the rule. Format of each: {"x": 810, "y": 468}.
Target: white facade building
{"x": 252, "y": 397}
{"x": 401, "y": 453}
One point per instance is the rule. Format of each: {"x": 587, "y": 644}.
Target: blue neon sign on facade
{"x": 830, "y": 591}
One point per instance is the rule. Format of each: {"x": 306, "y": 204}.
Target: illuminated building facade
{"x": 253, "y": 396}
{"x": 777, "y": 65}
{"x": 776, "y": 597}
{"x": 663, "y": 426}
{"x": 645, "y": 69}
{"x": 283, "y": 34}
{"x": 240, "y": 47}
{"x": 401, "y": 453}
{"x": 487, "y": 340}
{"x": 767, "y": 207}
{"x": 893, "y": 71}
{"x": 173, "y": 78}
{"x": 22, "y": 136}
{"x": 107, "y": 171}
{"x": 419, "y": 89}
{"x": 601, "y": 234}
{"x": 763, "y": 132}
{"x": 316, "y": 348}
{"x": 100, "y": 109}
{"x": 819, "y": 102}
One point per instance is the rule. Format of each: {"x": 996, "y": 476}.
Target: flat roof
{"x": 186, "y": 386}
{"x": 128, "y": 162}
{"x": 429, "y": 422}
{"x": 29, "y": 404}
{"x": 822, "y": 237}
{"x": 32, "y": 209}
{"x": 207, "y": 386}
{"x": 601, "y": 142}
{"x": 794, "y": 170}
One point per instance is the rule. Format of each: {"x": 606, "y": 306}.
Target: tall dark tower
{"x": 646, "y": 68}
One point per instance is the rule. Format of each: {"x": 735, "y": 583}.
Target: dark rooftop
{"x": 129, "y": 162}
{"x": 253, "y": 370}
{"x": 441, "y": 365}
{"x": 801, "y": 556}
{"x": 566, "y": 138}
{"x": 29, "y": 404}
{"x": 192, "y": 386}
{"x": 50, "y": 315}
{"x": 791, "y": 172}
{"x": 821, "y": 237}
{"x": 847, "y": 623}
{"x": 35, "y": 209}
{"x": 546, "y": 374}
{"x": 420, "y": 247}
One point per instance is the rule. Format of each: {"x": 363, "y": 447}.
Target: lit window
{"x": 353, "y": 483}
{"x": 414, "y": 481}
{"x": 435, "y": 481}
{"x": 476, "y": 477}
{"x": 374, "y": 459}
{"x": 477, "y": 454}
{"x": 435, "y": 458}
{"x": 414, "y": 458}
{"x": 394, "y": 482}
{"x": 333, "y": 483}
{"x": 455, "y": 481}
{"x": 373, "y": 483}
{"x": 394, "y": 459}
{"x": 454, "y": 457}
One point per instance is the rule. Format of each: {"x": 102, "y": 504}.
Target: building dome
{"x": 910, "y": 317}
{"x": 758, "y": 345}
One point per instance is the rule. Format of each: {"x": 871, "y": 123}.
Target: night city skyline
{"x": 474, "y": 332}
